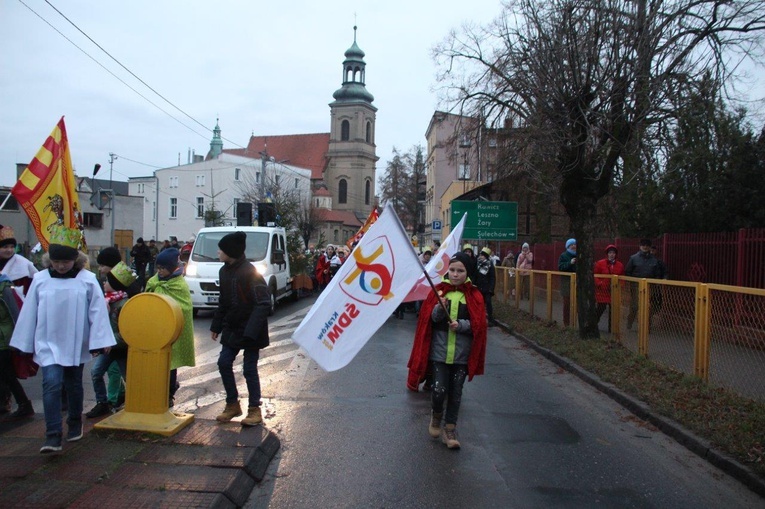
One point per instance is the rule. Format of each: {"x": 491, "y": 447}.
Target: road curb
{"x": 679, "y": 433}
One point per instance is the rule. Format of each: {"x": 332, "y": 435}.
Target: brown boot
{"x": 449, "y": 436}
{"x": 232, "y": 410}
{"x": 434, "y": 428}
{"x": 253, "y": 417}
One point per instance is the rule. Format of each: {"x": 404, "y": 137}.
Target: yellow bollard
{"x": 150, "y": 323}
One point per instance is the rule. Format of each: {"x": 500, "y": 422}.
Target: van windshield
{"x": 206, "y": 246}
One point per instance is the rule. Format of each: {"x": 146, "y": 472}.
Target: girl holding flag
{"x": 451, "y": 334}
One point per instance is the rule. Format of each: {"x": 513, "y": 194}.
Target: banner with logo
{"x": 438, "y": 264}
{"x": 46, "y": 189}
{"x": 362, "y": 295}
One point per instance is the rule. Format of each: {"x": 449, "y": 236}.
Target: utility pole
{"x": 112, "y": 158}
{"x": 263, "y": 158}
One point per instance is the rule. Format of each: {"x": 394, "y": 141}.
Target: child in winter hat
{"x": 169, "y": 259}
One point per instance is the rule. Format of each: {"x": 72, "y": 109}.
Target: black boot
{"x": 24, "y": 411}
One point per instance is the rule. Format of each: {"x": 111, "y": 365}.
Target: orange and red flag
{"x": 46, "y": 189}
{"x": 359, "y": 234}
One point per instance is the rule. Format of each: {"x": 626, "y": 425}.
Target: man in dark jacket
{"x": 643, "y": 265}
{"x": 241, "y": 320}
{"x": 567, "y": 263}
{"x": 485, "y": 279}
{"x": 141, "y": 257}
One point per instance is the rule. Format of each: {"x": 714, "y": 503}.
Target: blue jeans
{"x": 55, "y": 377}
{"x": 97, "y": 372}
{"x": 249, "y": 369}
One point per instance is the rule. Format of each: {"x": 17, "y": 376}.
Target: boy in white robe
{"x": 18, "y": 269}
{"x": 64, "y": 317}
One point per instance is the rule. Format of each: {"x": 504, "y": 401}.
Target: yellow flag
{"x": 46, "y": 189}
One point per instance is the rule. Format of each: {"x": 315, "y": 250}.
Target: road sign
{"x": 436, "y": 225}
{"x": 487, "y": 220}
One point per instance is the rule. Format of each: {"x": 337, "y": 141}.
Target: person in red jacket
{"x": 608, "y": 265}
{"x": 451, "y": 334}
{"x": 323, "y": 274}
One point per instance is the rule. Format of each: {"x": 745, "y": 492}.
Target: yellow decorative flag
{"x": 46, "y": 189}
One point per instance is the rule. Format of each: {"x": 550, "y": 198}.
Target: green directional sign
{"x": 487, "y": 220}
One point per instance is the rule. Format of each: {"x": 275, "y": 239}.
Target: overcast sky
{"x": 266, "y": 68}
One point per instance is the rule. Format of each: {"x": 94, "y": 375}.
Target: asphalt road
{"x": 532, "y": 435}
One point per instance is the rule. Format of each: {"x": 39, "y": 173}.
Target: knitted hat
{"x": 233, "y": 244}
{"x": 168, "y": 259}
{"x": 613, "y": 248}
{"x": 7, "y": 236}
{"x": 65, "y": 243}
{"x": 486, "y": 251}
{"x": 109, "y": 257}
{"x": 570, "y": 242}
{"x": 121, "y": 277}
{"x": 140, "y": 240}
{"x": 462, "y": 258}
{"x": 525, "y": 245}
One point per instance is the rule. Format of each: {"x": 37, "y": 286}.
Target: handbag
{"x": 24, "y": 365}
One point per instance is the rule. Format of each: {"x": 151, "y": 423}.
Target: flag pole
{"x": 424, "y": 271}
{"x": 7, "y": 197}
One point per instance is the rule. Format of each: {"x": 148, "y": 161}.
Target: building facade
{"x": 181, "y": 199}
{"x": 452, "y": 160}
{"x": 112, "y": 222}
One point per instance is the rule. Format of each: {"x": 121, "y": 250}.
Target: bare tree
{"x": 400, "y": 185}
{"x": 308, "y": 222}
{"x": 595, "y": 84}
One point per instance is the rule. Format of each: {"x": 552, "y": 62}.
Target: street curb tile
{"x": 105, "y": 497}
{"x": 31, "y": 428}
{"x": 213, "y": 433}
{"x": 235, "y": 484}
{"x": 39, "y": 492}
{"x": 18, "y": 467}
{"x": 260, "y": 460}
{"x": 15, "y": 447}
{"x": 676, "y": 431}
{"x": 209, "y": 456}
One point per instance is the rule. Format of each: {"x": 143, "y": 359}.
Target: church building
{"x": 342, "y": 162}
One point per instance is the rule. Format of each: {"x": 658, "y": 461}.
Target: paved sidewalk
{"x": 108, "y": 469}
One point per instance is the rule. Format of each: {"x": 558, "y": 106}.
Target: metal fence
{"x": 715, "y": 332}
{"x": 727, "y": 258}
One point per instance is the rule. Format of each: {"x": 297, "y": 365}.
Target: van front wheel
{"x": 272, "y": 293}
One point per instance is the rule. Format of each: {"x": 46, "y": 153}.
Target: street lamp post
{"x": 112, "y": 157}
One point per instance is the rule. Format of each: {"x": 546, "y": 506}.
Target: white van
{"x": 266, "y": 250}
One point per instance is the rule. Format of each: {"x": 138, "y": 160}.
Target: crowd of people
{"x": 449, "y": 345}
{"x": 144, "y": 255}
{"x": 37, "y": 331}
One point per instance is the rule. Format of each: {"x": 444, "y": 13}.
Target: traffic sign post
{"x": 487, "y": 220}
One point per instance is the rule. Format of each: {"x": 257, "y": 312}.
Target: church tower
{"x": 350, "y": 171}
{"x": 216, "y": 144}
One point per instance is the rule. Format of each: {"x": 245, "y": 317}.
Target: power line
{"x": 109, "y": 71}
{"x": 168, "y": 101}
{"x": 139, "y": 162}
